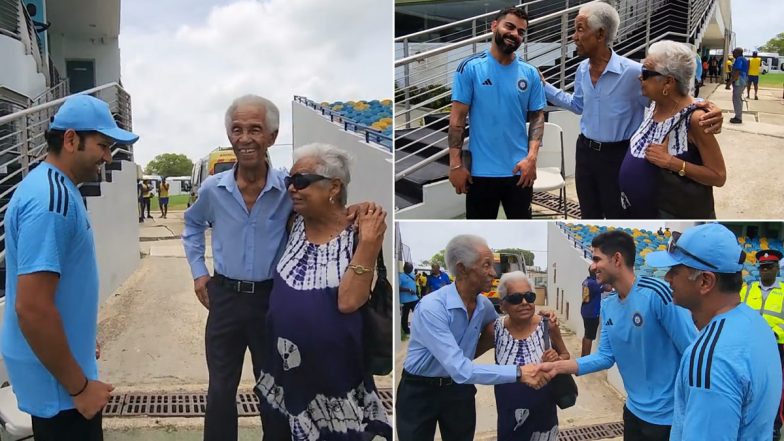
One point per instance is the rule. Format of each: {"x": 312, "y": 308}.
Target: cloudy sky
{"x": 756, "y": 21}
{"x": 429, "y": 237}
{"x": 184, "y": 61}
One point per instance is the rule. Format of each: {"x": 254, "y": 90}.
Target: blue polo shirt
{"x": 729, "y": 382}
{"x": 246, "y": 245}
{"x": 443, "y": 340}
{"x": 407, "y": 281}
{"x": 499, "y": 97}
{"x": 646, "y": 334}
{"x": 435, "y": 283}
{"x": 48, "y": 230}
{"x": 741, "y": 64}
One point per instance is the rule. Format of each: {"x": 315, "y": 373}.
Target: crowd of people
{"x": 646, "y": 148}
{"x": 700, "y": 355}
{"x": 145, "y": 192}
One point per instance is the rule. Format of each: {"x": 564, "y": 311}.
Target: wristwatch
{"x": 682, "y": 171}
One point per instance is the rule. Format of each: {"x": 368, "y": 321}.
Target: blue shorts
{"x": 163, "y": 201}
{"x": 754, "y": 79}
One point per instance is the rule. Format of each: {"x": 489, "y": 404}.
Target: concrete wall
{"x": 104, "y": 50}
{"x": 566, "y": 270}
{"x": 19, "y": 72}
{"x": 114, "y": 217}
{"x": 371, "y": 174}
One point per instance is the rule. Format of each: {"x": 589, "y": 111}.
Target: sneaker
{"x": 756, "y": 97}
{"x": 735, "y": 121}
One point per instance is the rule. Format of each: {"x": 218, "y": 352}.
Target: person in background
{"x": 140, "y": 198}
{"x": 147, "y": 197}
{"x": 740, "y": 76}
{"x": 407, "y": 288}
{"x": 437, "y": 279}
{"x": 421, "y": 280}
{"x": 163, "y": 197}
{"x": 698, "y": 75}
{"x": 754, "y": 71}
{"x": 592, "y": 297}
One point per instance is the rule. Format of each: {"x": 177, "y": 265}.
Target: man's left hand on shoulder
{"x": 713, "y": 120}
{"x": 527, "y": 169}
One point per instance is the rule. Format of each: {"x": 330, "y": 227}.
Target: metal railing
{"x": 23, "y": 145}
{"x": 16, "y": 23}
{"x": 371, "y": 135}
{"x": 425, "y": 64}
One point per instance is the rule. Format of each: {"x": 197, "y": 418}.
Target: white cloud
{"x": 182, "y": 78}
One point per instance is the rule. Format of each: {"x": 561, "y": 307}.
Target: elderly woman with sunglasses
{"x": 670, "y": 140}
{"x": 524, "y": 413}
{"x": 313, "y": 384}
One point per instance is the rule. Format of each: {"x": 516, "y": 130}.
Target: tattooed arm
{"x": 459, "y": 176}
{"x": 527, "y": 167}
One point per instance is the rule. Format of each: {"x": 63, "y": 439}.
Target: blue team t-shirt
{"x": 646, "y": 334}
{"x": 592, "y": 298}
{"x": 48, "y": 230}
{"x": 407, "y": 281}
{"x": 729, "y": 383}
{"x": 500, "y": 98}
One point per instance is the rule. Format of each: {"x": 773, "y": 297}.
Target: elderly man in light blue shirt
{"x": 438, "y": 373}
{"x": 607, "y": 94}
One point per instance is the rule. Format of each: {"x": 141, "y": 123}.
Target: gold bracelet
{"x": 359, "y": 269}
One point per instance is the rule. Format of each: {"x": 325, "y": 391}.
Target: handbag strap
{"x": 677, "y": 123}
{"x": 545, "y": 323}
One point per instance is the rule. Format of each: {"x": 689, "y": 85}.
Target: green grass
{"x": 773, "y": 80}
{"x": 177, "y": 202}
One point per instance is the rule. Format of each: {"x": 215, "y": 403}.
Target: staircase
{"x": 426, "y": 62}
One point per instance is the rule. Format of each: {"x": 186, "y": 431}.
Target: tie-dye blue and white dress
{"x": 524, "y": 413}
{"x": 313, "y": 375}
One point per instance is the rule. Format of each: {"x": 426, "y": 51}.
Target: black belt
{"x": 432, "y": 381}
{"x": 598, "y": 146}
{"x": 243, "y": 286}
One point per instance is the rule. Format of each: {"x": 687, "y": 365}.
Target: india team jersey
{"x": 48, "y": 230}
{"x": 729, "y": 382}
{"x": 499, "y": 98}
{"x": 645, "y": 334}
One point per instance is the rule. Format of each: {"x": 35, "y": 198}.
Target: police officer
{"x": 767, "y": 297}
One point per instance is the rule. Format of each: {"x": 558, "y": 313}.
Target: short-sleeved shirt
{"x": 754, "y": 66}
{"x": 729, "y": 382}
{"x": 146, "y": 190}
{"x": 646, "y": 334}
{"x": 437, "y": 282}
{"x": 741, "y": 64}
{"x": 592, "y": 298}
{"x": 499, "y": 99}
{"x": 407, "y": 281}
{"x": 48, "y": 230}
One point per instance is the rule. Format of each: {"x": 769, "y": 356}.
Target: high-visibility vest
{"x": 772, "y": 311}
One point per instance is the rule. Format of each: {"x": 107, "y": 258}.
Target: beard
{"x": 505, "y": 47}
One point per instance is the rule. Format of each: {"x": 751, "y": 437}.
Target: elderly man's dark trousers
{"x": 419, "y": 406}
{"x": 236, "y": 322}
{"x": 596, "y": 177}
{"x": 68, "y": 425}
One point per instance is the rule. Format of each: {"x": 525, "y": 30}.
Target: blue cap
{"x": 710, "y": 243}
{"x": 87, "y": 113}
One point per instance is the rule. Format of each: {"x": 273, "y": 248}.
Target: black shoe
{"x": 755, "y": 97}
{"x": 149, "y": 217}
{"x": 735, "y": 120}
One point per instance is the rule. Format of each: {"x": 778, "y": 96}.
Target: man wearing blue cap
{"x": 643, "y": 332}
{"x": 729, "y": 382}
{"x": 49, "y": 331}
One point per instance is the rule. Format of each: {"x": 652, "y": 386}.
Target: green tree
{"x": 437, "y": 258}
{"x": 169, "y": 164}
{"x": 775, "y": 44}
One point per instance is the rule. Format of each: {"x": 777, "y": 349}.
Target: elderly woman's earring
{"x": 331, "y": 200}
{"x": 665, "y": 92}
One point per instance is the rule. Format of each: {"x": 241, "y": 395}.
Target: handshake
{"x": 538, "y": 375}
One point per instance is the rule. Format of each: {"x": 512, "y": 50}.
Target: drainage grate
{"x": 190, "y": 405}
{"x": 552, "y": 202}
{"x": 594, "y": 432}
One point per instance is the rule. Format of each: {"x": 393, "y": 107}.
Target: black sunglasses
{"x": 301, "y": 181}
{"x": 517, "y": 297}
{"x": 673, "y": 246}
{"x": 649, "y": 73}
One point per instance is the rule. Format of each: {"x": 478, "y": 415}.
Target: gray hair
{"x": 511, "y": 277}
{"x": 602, "y": 15}
{"x": 462, "y": 249}
{"x": 676, "y": 59}
{"x": 271, "y": 114}
{"x": 695, "y": 274}
{"x": 331, "y": 162}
